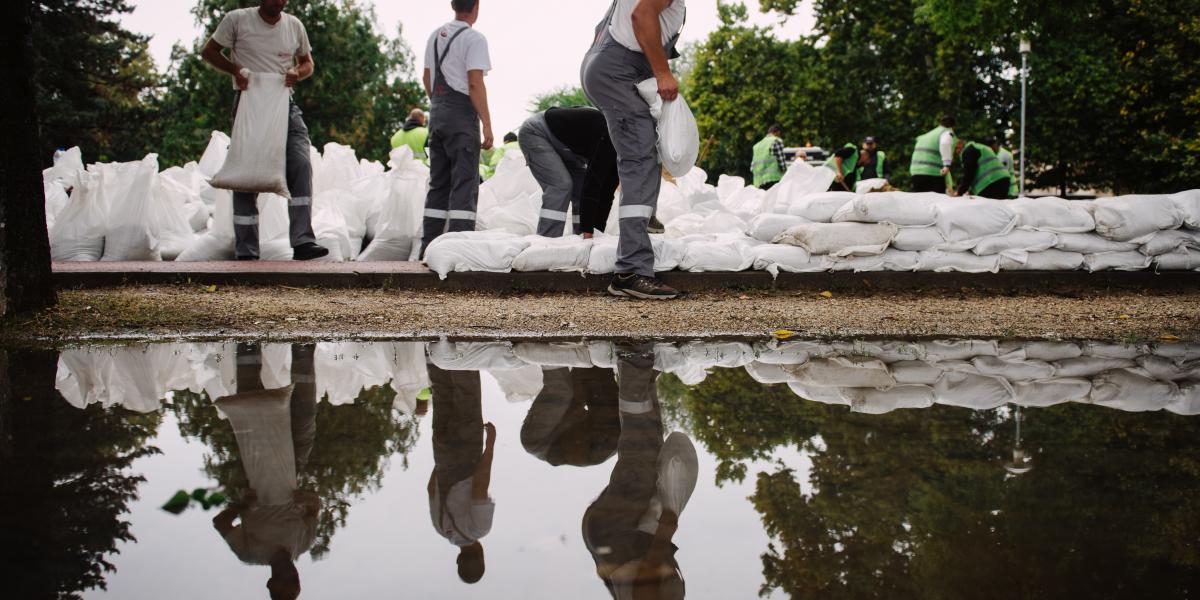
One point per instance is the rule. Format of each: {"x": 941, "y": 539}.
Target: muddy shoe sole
{"x": 622, "y": 293}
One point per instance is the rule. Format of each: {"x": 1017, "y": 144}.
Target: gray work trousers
{"x": 610, "y": 74}
{"x": 559, "y": 171}
{"x": 453, "y": 167}
{"x": 299, "y": 182}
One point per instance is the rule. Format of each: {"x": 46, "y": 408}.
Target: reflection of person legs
{"x": 304, "y": 402}
{"x": 249, "y": 368}
{"x": 299, "y": 181}
{"x": 457, "y": 424}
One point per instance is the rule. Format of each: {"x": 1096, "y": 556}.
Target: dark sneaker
{"x": 309, "y": 251}
{"x": 655, "y": 226}
{"x": 247, "y": 258}
{"x": 639, "y": 286}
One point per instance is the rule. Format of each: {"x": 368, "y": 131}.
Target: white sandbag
{"x": 918, "y": 239}
{"x": 170, "y": 207}
{"x": 1089, "y": 366}
{"x": 1178, "y": 351}
{"x": 398, "y": 232}
{"x": 1046, "y": 260}
{"x": 898, "y": 208}
{"x": 1188, "y": 204}
{"x": 342, "y": 370}
{"x": 878, "y": 402}
{"x": 915, "y": 372}
{"x": 949, "y": 350}
{"x": 1179, "y": 260}
{"x": 843, "y": 372}
{"x": 1051, "y": 392}
{"x": 353, "y": 213}
{"x": 1166, "y": 369}
{"x": 214, "y": 154}
{"x": 1091, "y": 243}
{"x": 790, "y": 353}
{"x": 68, "y": 166}
{"x": 512, "y": 199}
{"x": 332, "y": 232}
{"x": 1187, "y": 400}
{"x": 1019, "y": 240}
{"x": 257, "y": 153}
{"x": 800, "y": 180}
{"x": 867, "y": 186}
{"x": 890, "y": 260}
{"x": 1111, "y": 350}
{"x": 474, "y": 356}
{"x": 962, "y": 219}
{"x": 971, "y": 390}
{"x": 668, "y": 358}
{"x": 1127, "y": 218}
{"x": 960, "y": 262}
{"x": 339, "y": 169}
{"x": 488, "y": 251}
{"x": 1013, "y": 370}
{"x": 1117, "y": 261}
{"x": 667, "y": 254}
{"x": 1126, "y": 390}
{"x": 217, "y": 242}
{"x": 1053, "y": 214}
{"x": 776, "y": 258}
{"x": 678, "y": 135}
{"x": 574, "y": 355}
{"x": 747, "y": 203}
{"x": 78, "y": 231}
{"x": 728, "y": 185}
{"x": 840, "y": 239}
{"x": 722, "y": 253}
{"x": 130, "y": 233}
{"x": 816, "y": 393}
{"x": 410, "y": 373}
{"x": 1045, "y": 351}
{"x": 1166, "y": 242}
{"x": 767, "y": 227}
{"x": 706, "y": 222}
{"x": 719, "y": 355}
{"x": 567, "y": 254}
{"x": 519, "y": 385}
{"x": 274, "y": 242}
{"x": 56, "y": 200}
{"x": 767, "y": 373}
{"x": 820, "y": 208}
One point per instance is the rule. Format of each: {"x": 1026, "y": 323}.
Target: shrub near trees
{"x": 1112, "y": 99}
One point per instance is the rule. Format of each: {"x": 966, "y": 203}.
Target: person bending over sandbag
{"x": 571, "y": 156}
{"x": 267, "y": 40}
{"x": 983, "y": 173}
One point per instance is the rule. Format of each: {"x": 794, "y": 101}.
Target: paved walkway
{"x": 415, "y": 276}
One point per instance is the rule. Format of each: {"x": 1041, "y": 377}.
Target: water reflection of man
{"x": 463, "y": 447}
{"x": 275, "y": 430}
{"x": 574, "y": 420}
{"x": 629, "y": 528}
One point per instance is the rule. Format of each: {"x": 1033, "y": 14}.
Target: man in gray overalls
{"x": 632, "y": 44}
{"x": 456, "y": 60}
{"x": 267, "y": 40}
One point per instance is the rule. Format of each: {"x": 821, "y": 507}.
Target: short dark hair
{"x": 510, "y": 137}
{"x": 948, "y": 121}
{"x": 775, "y": 128}
{"x": 463, "y": 5}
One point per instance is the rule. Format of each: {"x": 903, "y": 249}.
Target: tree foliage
{"x": 1112, "y": 99}
{"x": 361, "y": 91}
{"x": 559, "y": 98}
{"x": 95, "y": 80}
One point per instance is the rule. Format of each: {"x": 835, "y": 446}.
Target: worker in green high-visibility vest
{"x": 769, "y": 162}
{"x": 872, "y": 162}
{"x": 1009, "y": 162}
{"x": 413, "y": 134}
{"x": 983, "y": 173}
{"x": 932, "y": 157}
{"x": 844, "y": 165}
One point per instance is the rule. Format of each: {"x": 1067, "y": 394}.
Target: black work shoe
{"x": 655, "y": 226}
{"x": 309, "y": 251}
{"x": 247, "y": 258}
{"x": 640, "y": 286}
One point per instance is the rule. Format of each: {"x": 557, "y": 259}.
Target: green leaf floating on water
{"x": 425, "y": 395}
{"x": 178, "y": 503}
{"x": 198, "y": 494}
{"x": 218, "y": 499}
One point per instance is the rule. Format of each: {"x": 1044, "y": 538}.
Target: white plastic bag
{"x": 131, "y": 233}
{"x": 566, "y": 254}
{"x": 722, "y": 253}
{"x": 489, "y": 251}
{"x": 801, "y": 179}
{"x": 767, "y": 227}
{"x": 78, "y": 231}
{"x": 399, "y": 228}
{"x": 899, "y": 208}
{"x": 678, "y": 135}
{"x": 1187, "y": 202}
{"x": 820, "y": 207}
{"x": 257, "y": 154}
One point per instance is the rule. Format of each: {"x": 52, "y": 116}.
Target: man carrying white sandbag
{"x": 456, "y": 60}
{"x": 632, "y": 44}
{"x": 571, "y": 156}
{"x": 265, "y": 40}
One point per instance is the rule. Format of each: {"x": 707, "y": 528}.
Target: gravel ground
{"x": 155, "y": 312}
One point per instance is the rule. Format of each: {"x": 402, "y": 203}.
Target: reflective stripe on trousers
{"x": 558, "y": 171}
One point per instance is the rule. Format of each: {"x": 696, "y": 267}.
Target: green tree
{"x": 559, "y": 98}
{"x": 95, "y": 80}
{"x": 361, "y": 91}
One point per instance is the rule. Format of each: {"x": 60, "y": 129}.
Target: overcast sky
{"x": 536, "y": 45}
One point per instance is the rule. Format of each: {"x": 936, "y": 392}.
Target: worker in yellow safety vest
{"x": 769, "y": 162}
{"x": 414, "y": 134}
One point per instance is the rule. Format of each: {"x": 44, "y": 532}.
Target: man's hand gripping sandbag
{"x": 678, "y": 135}
{"x": 257, "y": 153}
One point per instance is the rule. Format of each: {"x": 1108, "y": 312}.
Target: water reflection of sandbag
{"x": 257, "y": 153}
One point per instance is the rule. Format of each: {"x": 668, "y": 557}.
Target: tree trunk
{"x": 25, "y": 280}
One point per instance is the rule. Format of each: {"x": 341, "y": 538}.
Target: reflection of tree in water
{"x": 916, "y": 503}
{"x": 350, "y": 454}
{"x": 66, "y": 482}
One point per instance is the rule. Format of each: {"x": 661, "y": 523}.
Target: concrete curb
{"x": 414, "y": 276}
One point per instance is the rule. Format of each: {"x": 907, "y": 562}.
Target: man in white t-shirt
{"x": 267, "y": 40}
{"x": 633, "y": 43}
{"x": 456, "y": 61}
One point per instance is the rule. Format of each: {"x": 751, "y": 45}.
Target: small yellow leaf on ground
{"x": 783, "y": 334}
{"x": 1168, "y": 338}
{"x": 826, "y": 294}
{"x": 1124, "y": 317}
{"x": 210, "y": 289}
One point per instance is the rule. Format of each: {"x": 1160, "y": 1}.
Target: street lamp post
{"x": 1026, "y": 48}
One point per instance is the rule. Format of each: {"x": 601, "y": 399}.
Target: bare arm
{"x": 480, "y": 100}
{"x": 483, "y": 472}
{"x": 303, "y": 70}
{"x": 649, "y": 36}
{"x": 425, "y": 79}
{"x": 214, "y": 54}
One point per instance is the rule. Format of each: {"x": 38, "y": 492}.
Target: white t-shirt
{"x": 460, "y": 518}
{"x": 671, "y": 20}
{"x": 469, "y": 53}
{"x": 946, "y": 146}
{"x": 260, "y": 46}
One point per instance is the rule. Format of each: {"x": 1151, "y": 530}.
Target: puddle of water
{"x": 601, "y": 470}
